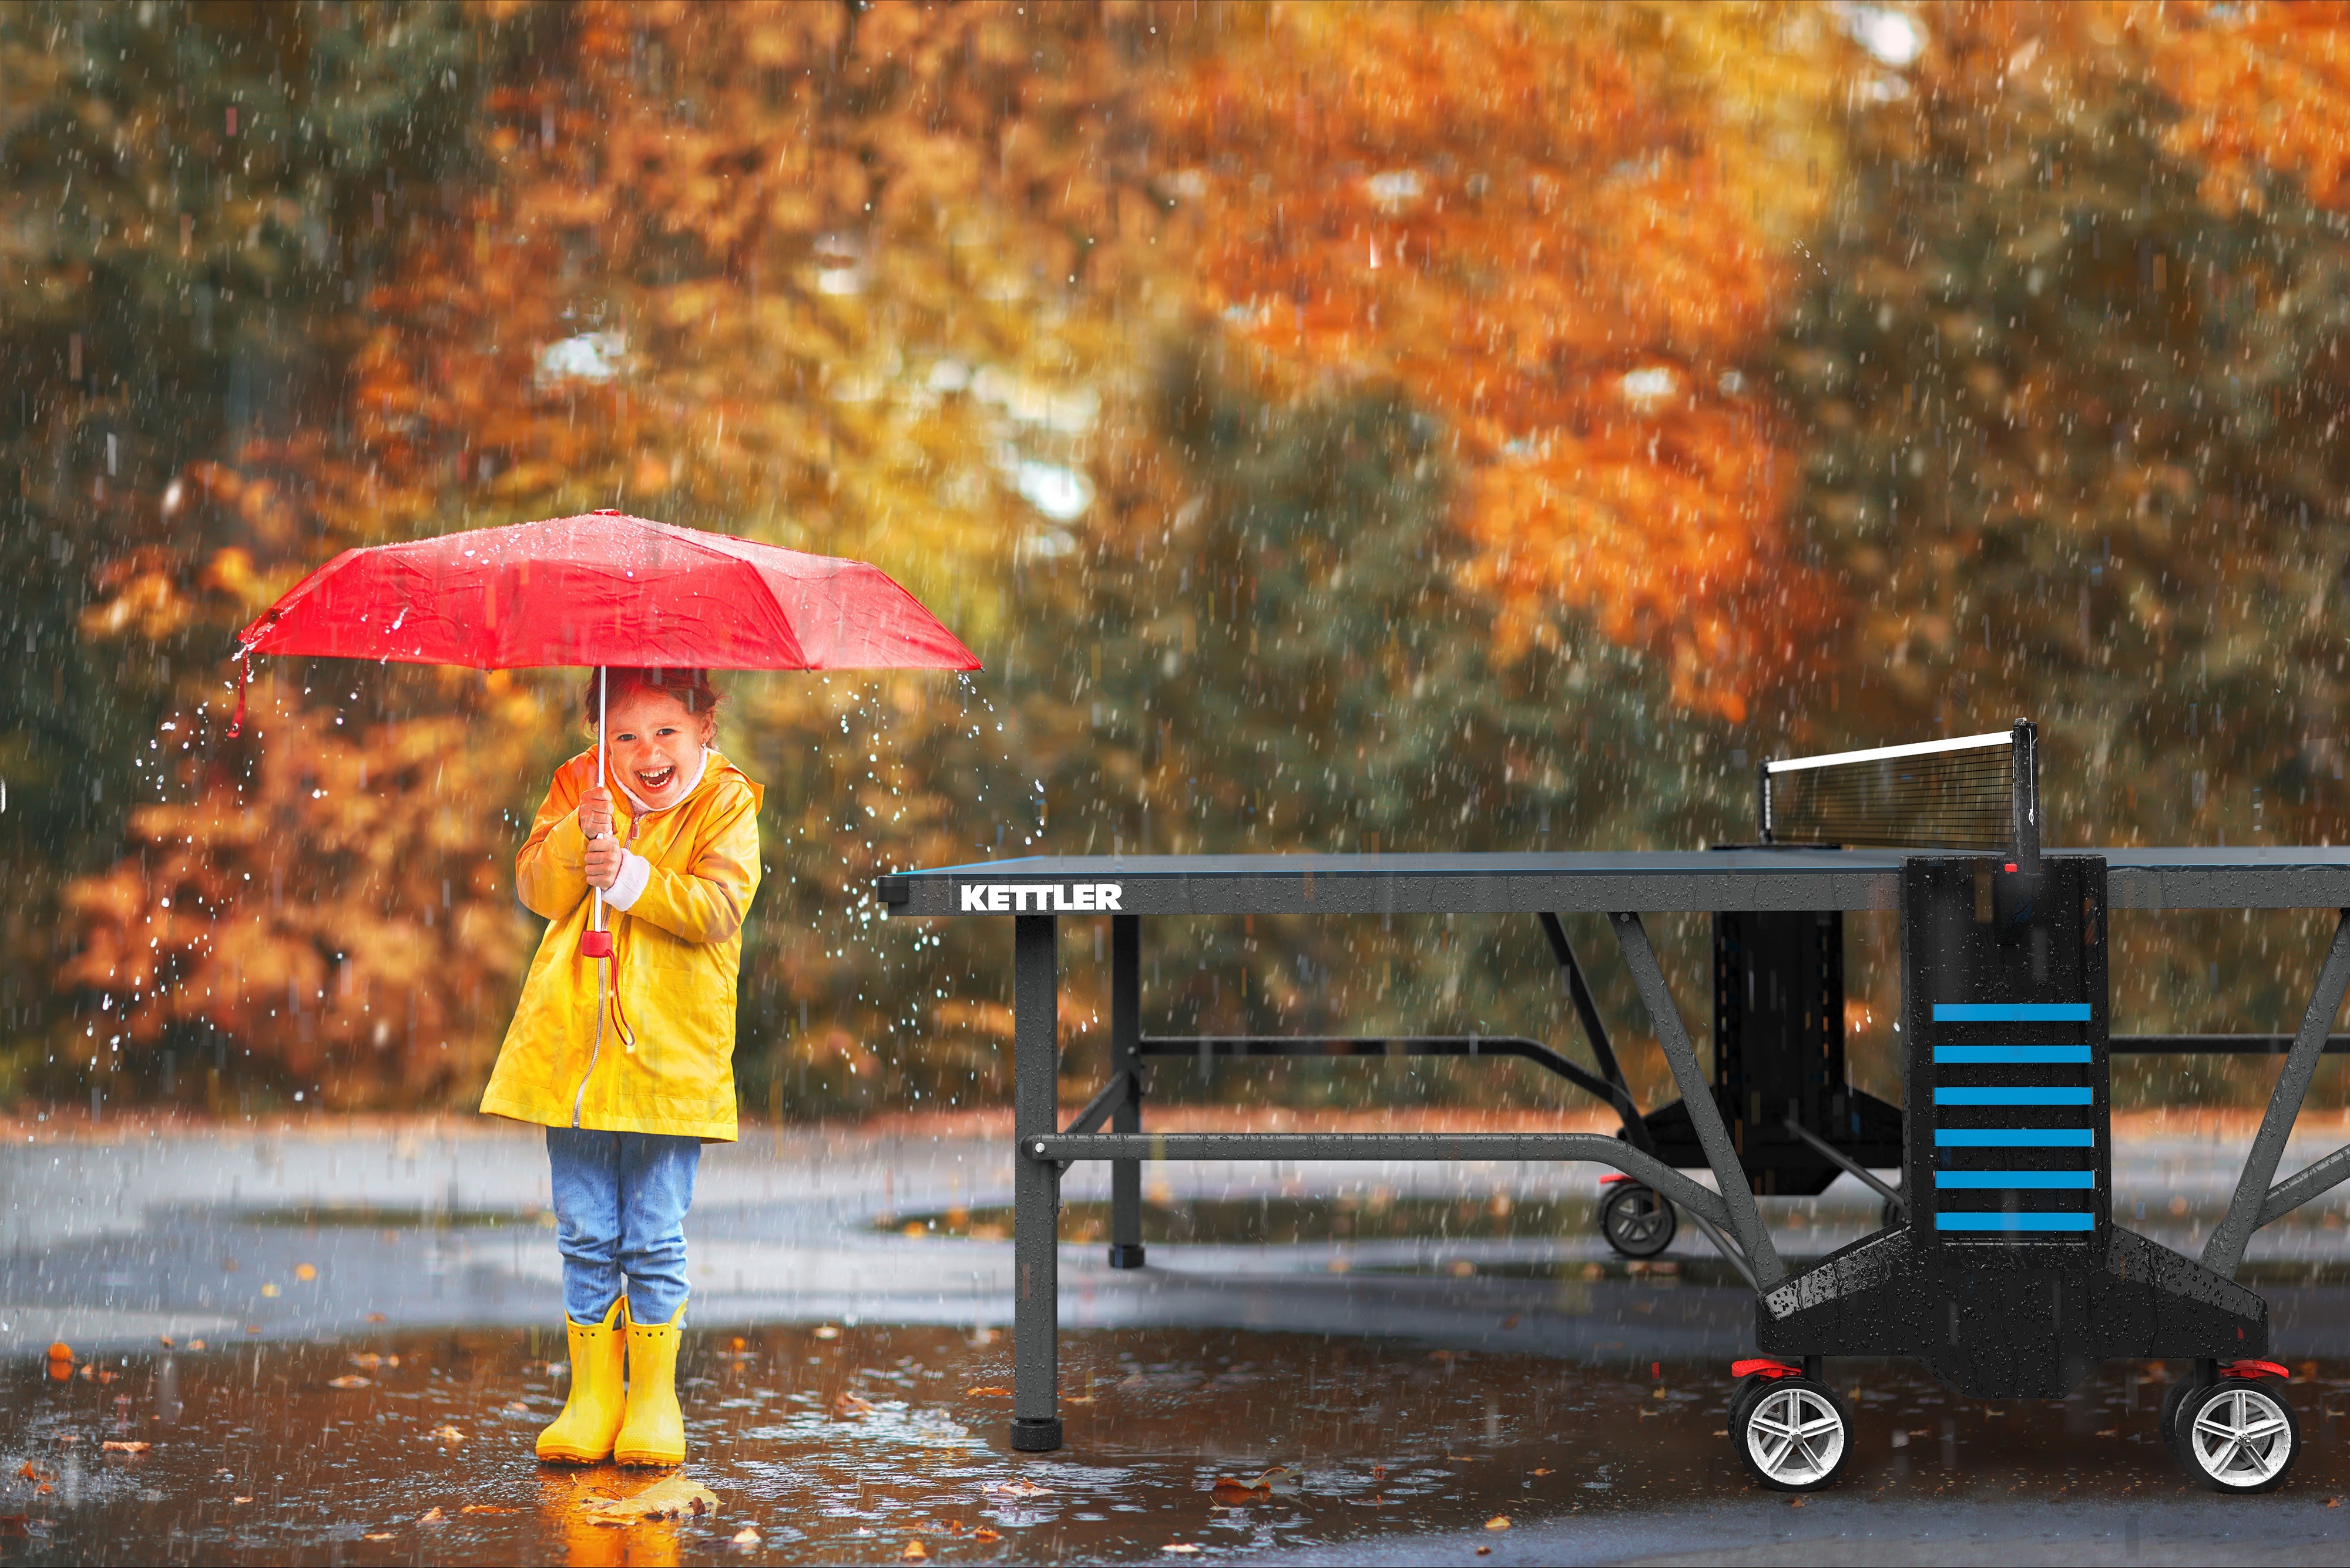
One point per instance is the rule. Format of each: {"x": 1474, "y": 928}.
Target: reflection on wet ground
{"x": 837, "y": 1443}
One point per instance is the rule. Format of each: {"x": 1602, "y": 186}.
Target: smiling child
{"x": 627, "y": 1061}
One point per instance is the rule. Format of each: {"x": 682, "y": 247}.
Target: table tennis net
{"x": 1959, "y": 795}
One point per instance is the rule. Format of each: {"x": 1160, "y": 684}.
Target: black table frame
{"x": 1037, "y": 892}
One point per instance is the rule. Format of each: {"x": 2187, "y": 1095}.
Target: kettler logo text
{"x": 1040, "y": 898}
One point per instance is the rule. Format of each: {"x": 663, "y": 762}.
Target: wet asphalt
{"x": 1417, "y": 1353}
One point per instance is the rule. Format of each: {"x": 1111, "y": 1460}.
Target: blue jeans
{"x": 620, "y": 1200}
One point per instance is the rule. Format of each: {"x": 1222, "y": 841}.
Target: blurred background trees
{"x": 1335, "y": 426}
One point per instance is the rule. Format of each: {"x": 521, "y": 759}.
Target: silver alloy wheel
{"x": 2240, "y": 1437}
{"x": 1795, "y": 1436}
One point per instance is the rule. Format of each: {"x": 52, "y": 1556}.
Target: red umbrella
{"x": 601, "y": 589}
{"x": 604, "y": 589}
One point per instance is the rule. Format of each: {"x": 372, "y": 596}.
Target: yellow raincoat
{"x": 666, "y": 1062}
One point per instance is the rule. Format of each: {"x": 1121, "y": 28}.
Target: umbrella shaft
{"x": 603, "y": 700}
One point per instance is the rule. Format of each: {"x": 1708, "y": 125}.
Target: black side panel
{"x": 2010, "y": 1280}
{"x": 1778, "y": 1052}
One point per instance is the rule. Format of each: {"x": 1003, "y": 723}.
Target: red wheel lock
{"x": 1765, "y": 1366}
{"x": 1612, "y": 1180}
{"x": 2252, "y": 1371}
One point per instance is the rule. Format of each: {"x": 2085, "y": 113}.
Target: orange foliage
{"x": 2263, "y": 87}
{"x": 346, "y": 908}
{"x": 1547, "y": 239}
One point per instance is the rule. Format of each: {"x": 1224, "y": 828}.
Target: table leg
{"x": 1036, "y": 1185}
{"x": 1125, "y": 1062}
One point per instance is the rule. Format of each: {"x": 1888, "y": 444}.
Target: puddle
{"x": 843, "y": 1444}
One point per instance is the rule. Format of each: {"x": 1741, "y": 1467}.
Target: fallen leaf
{"x": 195, "y": 1345}
{"x": 43, "y": 1489}
{"x": 989, "y": 1392}
{"x": 1498, "y": 1522}
{"x": 433, "y": 1516}
{"x": 29, "y": 1473}
{"x": 913, "y": 1553}
{"x": 269, "y": 1290}
{"x": 746, "y": 1536}
{"x": 1019, "y": 1486}
{"x": 1797, "y": 1502}
{"x": 368, "y": 1360}
{"x": 984, "y": 1533}
{"x": 306, "y": 1271}
{"x": 1511, "y": 1321}
{"x": 448, "y": 1435}
{"x": 124, "y": 1446}
{"x": 61, "y": 1351}
{"x": 675, "y": 1498}
{"x": 377, "y": 1535}
{"x": 164, "y": 1340}
{"x": 516, "y": 1407}
{"x": 350, "y": 1380}
{"x": 1542, "y": 1472}
{"x": 827, "y": 1331}
{"x": 1232, "y": 1491}
{"x": 377, "y": 1317}
{"x": 487, "y": 1508}
{"x": 240, "y": 1499}
{"x": 852, "y": 1404}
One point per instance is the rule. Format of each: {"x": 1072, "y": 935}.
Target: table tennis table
{"x": 1999, "y": 1264}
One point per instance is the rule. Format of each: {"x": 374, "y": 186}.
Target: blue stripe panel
{"x": 2011, "y": 1096}
{"x": 2014, "y": 1137}
{"x": 2004, "y": 1222}
{"x": 2010, "y": 1012}
{"x": 1959, "y": 1054}
{"x": 2004, "y": 1179}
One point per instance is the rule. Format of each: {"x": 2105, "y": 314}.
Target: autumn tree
{"x": 2076, "y": 393}
{"x": 1545, "y": 225}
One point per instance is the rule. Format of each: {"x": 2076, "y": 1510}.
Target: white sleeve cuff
{"x": 635, "y": 872}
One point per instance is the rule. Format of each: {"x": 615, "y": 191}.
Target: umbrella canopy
{"x": 605, "y": 588}
{"x": 601, "y": 589}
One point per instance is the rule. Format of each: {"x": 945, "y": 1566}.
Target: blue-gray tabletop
{"x": 2297, "y": 876}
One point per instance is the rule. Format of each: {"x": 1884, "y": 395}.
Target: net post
{"x": 1762, "y": 797}
{"x": 2024, "y": 762}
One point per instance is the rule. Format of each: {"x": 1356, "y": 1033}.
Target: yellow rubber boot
{"x": 653, "y": 1431}
{"x": 591, "y": 1414}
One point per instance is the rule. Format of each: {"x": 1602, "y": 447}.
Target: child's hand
{"x": 602, "y": 861}
{"x": 596, "y": 813}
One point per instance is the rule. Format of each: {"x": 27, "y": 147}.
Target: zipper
{"x": 604, "y": 976}
{"x": 580, "y": 1096}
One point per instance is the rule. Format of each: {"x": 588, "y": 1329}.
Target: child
{"x": 627, "y": 1061}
